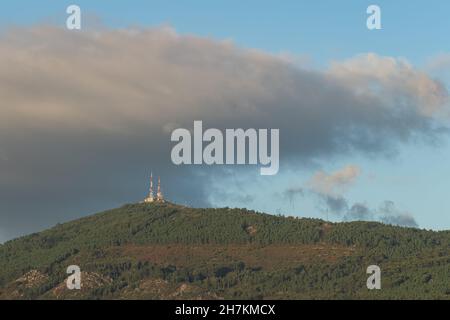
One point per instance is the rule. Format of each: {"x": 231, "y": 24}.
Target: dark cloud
{"x": 84, "y": 116}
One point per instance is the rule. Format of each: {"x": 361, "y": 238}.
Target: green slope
{"x": 166, "y": 251}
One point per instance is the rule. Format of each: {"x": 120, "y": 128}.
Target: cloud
{"x": 359, "y": 212}
{"x": 391, "y": 215}
{"x": 387, "y": 213}
{"x": 401, "y": 219}
{"x": 393, "y": 79}
{"x": 439, "y": 64}
{"x": 329, "y": 188}
{"x": 85, "y": 115}
{"x": 335, "y": 183}
{"x": 293, "y": 192}
{"x": 335, "y": 204}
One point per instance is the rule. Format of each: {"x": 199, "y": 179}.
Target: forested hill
{"x": 166, "y": 251}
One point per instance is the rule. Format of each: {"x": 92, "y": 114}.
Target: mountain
{"x": 167, "y": 251}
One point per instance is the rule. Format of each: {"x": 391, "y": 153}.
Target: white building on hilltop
{"x": 159, "y": 194}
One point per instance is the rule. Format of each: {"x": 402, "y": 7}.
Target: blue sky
{"x": 317, "y": 32}
{"x": 325, "y": 30}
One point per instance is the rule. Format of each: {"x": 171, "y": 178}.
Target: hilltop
{"x": 167, "y": 251}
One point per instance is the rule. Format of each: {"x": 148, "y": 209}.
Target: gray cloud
{"x": 292, "y": 192}
{"x": 388, "y": 213}
{"x": 401, "y": 219}
{"x": 359, "y": 212}
{"x": 328, "y": 188}
{"x": 85, "y": 115}
{"x": 391, "y": 215}
{"x": 335, "y": 204}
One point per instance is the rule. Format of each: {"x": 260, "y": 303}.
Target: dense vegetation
{"x": 168, "y": 251}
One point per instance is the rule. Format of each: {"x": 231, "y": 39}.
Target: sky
{"x": 363, "y": 114}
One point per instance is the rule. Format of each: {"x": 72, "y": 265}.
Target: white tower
{"x": 150, "y": 197}
{"x": 159, "y": 195}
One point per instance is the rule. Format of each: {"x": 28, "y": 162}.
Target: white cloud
{"x": 392, "y": 79}
{"x": 439, "y": 63}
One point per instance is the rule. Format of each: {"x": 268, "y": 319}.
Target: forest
{"x": 167, "y": 251}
